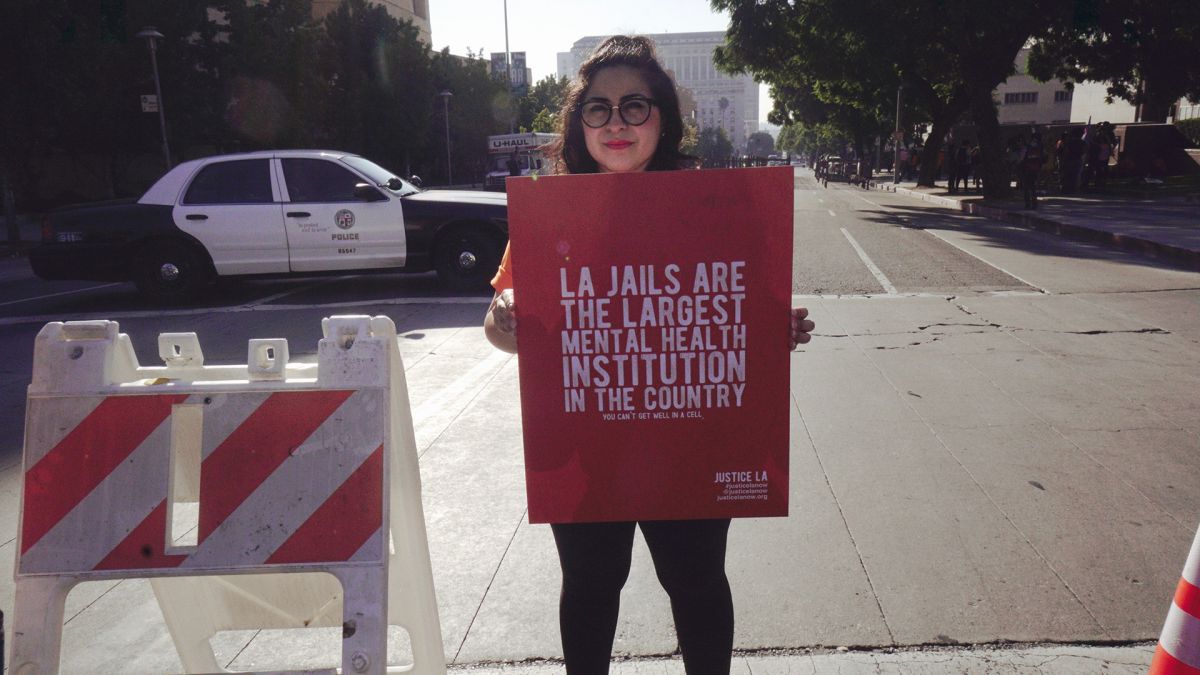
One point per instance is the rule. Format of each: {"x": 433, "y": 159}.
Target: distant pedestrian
{"x": 1031, "y": 165}
{"x": 977, "y": 165}
{"x": 1072, "y": 162}
{"x": 1103, "y": 155}
{"x": 1012, "y": 159}
{"x": 962, "y": 161}
{"x": 951, "y": 164}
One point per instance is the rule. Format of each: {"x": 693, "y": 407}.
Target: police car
{"x": 275, "y": 213}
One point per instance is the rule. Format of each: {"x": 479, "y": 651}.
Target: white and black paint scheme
{"x": 275, "y": 213}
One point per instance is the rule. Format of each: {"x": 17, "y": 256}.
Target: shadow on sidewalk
{"x": 1002, "y": 234}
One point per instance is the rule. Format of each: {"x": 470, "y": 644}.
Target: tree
{"x": 714, "y": 146}
{"x": 546, "y": 122}
{"x": 1145, "y": 50}
{"x": 547, "y": 94}
{"x": 382, "y": 94}
{"x": 270, "y": 103}
{"x": 472, "y": 118}
{"x": 691, "y": 137}
{"x": 851, "y": 55}
{"x": 810, "y": 139}
{"x": 760, "y": 144}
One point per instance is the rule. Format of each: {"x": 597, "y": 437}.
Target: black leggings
{"x": 689, "y": 558}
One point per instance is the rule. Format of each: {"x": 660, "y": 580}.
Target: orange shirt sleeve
{"x": 503, "y": 278}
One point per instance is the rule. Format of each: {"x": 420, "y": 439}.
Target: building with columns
{"x": 726, "y": 101}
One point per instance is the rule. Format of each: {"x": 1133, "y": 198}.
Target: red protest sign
{"x": 652, "y": 334}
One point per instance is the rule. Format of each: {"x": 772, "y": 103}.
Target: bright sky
{"x": 542, "y": 28}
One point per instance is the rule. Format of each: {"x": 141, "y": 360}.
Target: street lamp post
{"x": 152, "y": 36}
{"x": 508, "y": 71}
{"x": 896, "y": 137}
{"x": 445, "y": 94}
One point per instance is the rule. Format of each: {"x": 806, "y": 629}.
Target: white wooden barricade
{"x": 295, "y": 468}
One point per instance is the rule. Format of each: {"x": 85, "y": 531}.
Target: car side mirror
{"x": 366, "y": 193}
{"x": 395, "y": 184}
{"x": 415, "y": 180}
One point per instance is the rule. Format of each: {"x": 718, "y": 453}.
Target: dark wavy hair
{"x": 569, "y": 153}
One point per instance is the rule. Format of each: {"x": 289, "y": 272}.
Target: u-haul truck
{"x": 515, "y": 154}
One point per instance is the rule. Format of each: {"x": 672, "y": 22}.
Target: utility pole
{"x": 446, "y": 103}
{"x": 508, "y": 71}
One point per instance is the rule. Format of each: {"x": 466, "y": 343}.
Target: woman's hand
{"x": 500, "y": 323}
{"x": 504, "y": 314}
{"x": 801, "y": 326}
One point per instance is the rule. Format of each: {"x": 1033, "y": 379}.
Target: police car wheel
{"x": 466, "y": 258}
{"x": 169, "y": 270}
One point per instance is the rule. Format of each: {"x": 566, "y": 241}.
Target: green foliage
{"x": 546, "y": 121}
{"x": 840, "y": 62}
{"x": 760, "y": 144}
{"x": 546, "y": 95}
{"x": 1145, "y": 50}
{"x": 382, "y": 92}
{"x": 691, "y": 137}
{"x": 235, "y": 76}
{"x": 811, "y": 139}
{"x": 472, "y": 117}
{"x": 713, "y": 145}
{"x": 272, "y": 97}
{"x": 1191, "y": 129}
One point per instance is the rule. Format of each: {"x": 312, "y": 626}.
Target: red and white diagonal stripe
{"x": 286, "y": 477}
{"x": 1178, "y": 650}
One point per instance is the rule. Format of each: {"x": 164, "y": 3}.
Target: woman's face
{"x": 619, "y": 146}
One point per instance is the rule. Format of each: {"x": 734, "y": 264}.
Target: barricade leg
{"x": 37, "y": 624}
{"x": 184, "y": 602}
{"x": 412, "y": 599}
{"x": 364, "y": 620}
{"x": 197, "y": 608}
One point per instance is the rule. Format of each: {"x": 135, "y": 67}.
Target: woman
{"x": 622, "y": 115}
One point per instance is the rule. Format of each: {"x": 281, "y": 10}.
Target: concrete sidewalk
{"x": 1163, "y": 227}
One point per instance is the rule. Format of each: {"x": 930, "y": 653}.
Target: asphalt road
{"x": 994, "y": 435}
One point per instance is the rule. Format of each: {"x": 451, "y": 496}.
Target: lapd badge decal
{"x": 344, "y": 219}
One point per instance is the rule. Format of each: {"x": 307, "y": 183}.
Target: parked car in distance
{"x": 275, "y": 213}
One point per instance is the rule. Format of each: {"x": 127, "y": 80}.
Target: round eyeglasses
{"x": 633, "y": 111}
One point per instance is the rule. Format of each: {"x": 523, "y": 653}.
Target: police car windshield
{"x": 379, "y": 175}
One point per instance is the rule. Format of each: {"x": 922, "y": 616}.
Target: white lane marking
{"x": 284, "y": 294}
{"x": 55, "y": 295}
{"x": 831, "y": 212}
{"x": 45, "y": 318}
{"x": 1041, "y": 291}
{"x": 820, "y": 201}
{"x": 994, "y": 266}
{"x": 883, "y": 280}
{"x": 869, "y": 201}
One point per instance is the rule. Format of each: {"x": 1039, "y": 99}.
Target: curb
{"x": 1155, "y": 249}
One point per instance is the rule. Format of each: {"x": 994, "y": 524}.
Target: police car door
{"x": 231, "y": 208}
{"x": 329, "y": 227}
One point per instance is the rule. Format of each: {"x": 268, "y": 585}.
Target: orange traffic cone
{"x": 1178, "y": 650}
